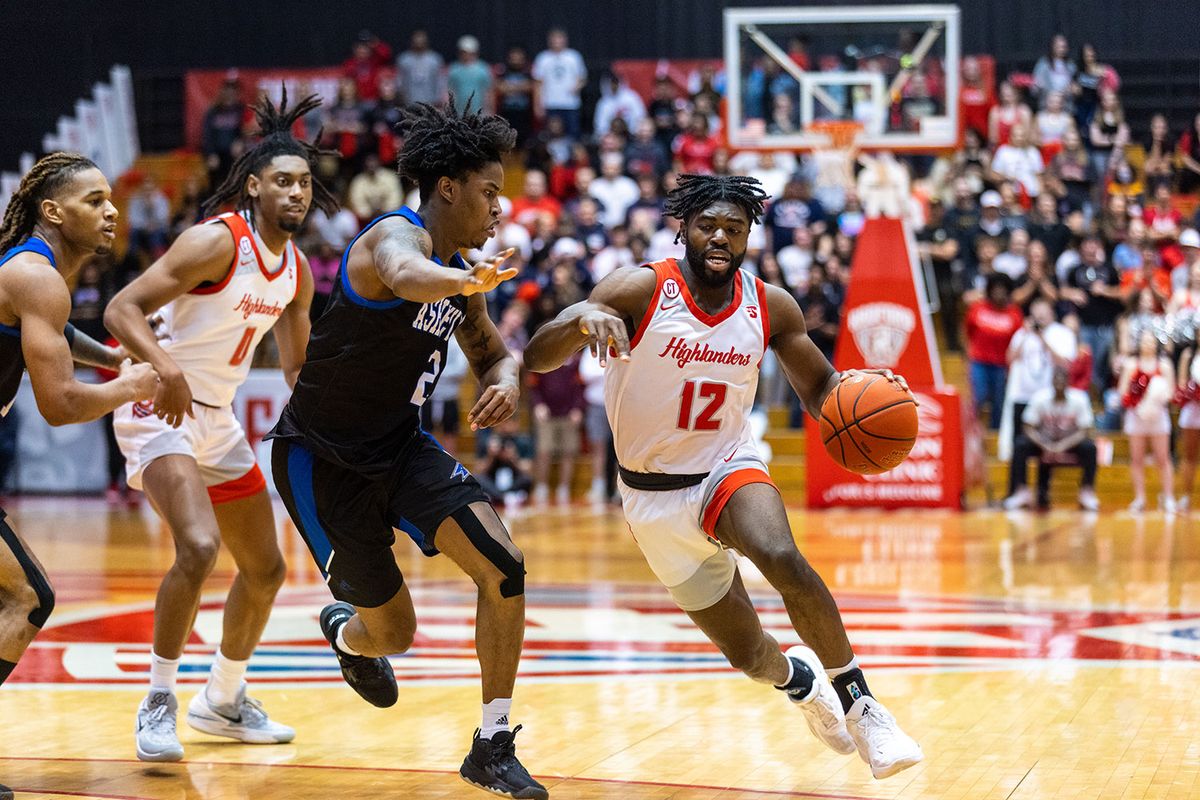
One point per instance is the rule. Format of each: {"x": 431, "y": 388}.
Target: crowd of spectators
{"x": 1054, "y": 238}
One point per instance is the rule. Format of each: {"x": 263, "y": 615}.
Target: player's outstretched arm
{"x": 44, "y": 304}
{"x": 493, "y": 365}
{"x": 808, "y": 371}
{"x": 606, "y": 319}
{"x": 293, "y": 326}
{"x": 201, "y": 254}
{"x": 403, "y": 256}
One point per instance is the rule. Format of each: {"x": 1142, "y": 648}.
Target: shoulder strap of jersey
{"x": 31, "y": 245}
{"x": 295, "y": 266}
{"x": 760, "y": 290}
{"x": 237, "y": 228}
{"x": 662, "y": 270}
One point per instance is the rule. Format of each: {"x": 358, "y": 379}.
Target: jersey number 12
{"x": 715, "y": 392}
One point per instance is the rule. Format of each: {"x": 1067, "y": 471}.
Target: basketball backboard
{"x": 893, "y": 70}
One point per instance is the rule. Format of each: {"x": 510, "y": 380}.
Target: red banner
{"x": 931, "y": 476}
{"x": 886, "y": 325}
{"x": 200, "y": 89}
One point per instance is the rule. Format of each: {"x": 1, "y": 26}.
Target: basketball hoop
{"x": 834, "y": 156}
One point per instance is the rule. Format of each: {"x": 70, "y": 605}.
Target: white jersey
{"x": 211, "y": 332}
{"x": 682, "y": 402}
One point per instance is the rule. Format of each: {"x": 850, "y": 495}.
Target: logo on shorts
{"x": 143, "y": 409}
{"x": 881, "y": 331}
{"x": 459, "y": 472}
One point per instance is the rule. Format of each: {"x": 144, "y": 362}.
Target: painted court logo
{"x": 635, "y": 631}
{"x": 881, "y": 331}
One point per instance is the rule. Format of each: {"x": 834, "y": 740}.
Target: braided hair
{"x": 275, "y": 130}
{"x": 697, "y": 192}
{"x": 49, "y": 175}
{"x": 445, "y": 142}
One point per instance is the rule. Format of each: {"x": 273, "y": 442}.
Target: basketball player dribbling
{"x": 60, "y": 216}
{"x": 213, "y": 295}
{"x": 350, "y": 459}
{"x": 693, "y": 483}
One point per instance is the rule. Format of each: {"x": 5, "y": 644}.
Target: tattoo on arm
{"x": 87, "y": 351}
{"x": 476, "y": 339}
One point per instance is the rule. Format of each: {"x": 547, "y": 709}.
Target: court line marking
{"x": 350, "y": 768}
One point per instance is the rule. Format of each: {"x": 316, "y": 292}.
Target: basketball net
{"x": 834, "y": 159}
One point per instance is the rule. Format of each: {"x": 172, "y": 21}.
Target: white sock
{"x": 495, "y": 717}
{"x": 833, "y": 673}
{"x": 791, "y": 673}
{"x": 163, "y": 672}
{"x": 225, "y": 680}
{"x": 341, "y": 642}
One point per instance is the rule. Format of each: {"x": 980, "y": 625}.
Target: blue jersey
{"x": 369, "y": 367}
{"x": 12, "y": 359}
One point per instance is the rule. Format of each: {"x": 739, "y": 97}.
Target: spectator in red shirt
{"x": 1163, "y": 224}
{"x": 991, "y": 323}
{"x": 535, "y": 202}
{"x": 370, "y": 57}
{"x": 694, "y": 148}
{"x": 1148, "y": 276}
{"x": 975, "y": 99}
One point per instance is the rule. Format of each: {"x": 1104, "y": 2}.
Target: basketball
{"x": 868, "y": 424}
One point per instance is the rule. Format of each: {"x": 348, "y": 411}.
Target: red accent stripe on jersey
{"x": 249, "y": 484}
{"x": 226, "y": 218}
{"x": 261, "y": 266}
{"x": 762, "y": 310}
{"x": 729, "y": 484}
{"x": 296, "y": 261}
{"x": 711, "y": 320}
{"x": 661, "y": 273}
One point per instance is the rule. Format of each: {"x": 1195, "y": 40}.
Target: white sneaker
{"x": 1168, "y": 503}
{"x": 1138, "y": 505}
{"x": 1088, "y": 500}
{"x": 541, "y": 494}
{"x": 821, "y": 706}
{"x": 881, "y": 743}
{"x": 562, "y": 495}
{"x": 1019, "y": 499}
{"x": 1183, "y": 504}
{"x": 154, "y": 731}
{"x": 243, "y": 720}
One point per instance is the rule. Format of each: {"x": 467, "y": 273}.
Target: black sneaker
{"x": 492, "y": 765}
{"x": 372, "y": 678}
{"x": 6, "y": 793}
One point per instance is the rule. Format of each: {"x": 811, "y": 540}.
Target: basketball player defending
{"x": 694, "y": 486}
{"x": 350, "y": 459}
{"x": 214, "y": 294}
{"x": 59, "y": 217}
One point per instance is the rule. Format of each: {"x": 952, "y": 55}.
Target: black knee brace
{"x": 513, "y": 584}
{"x": 37, "y": 580}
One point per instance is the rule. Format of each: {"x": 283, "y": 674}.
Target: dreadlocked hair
{"x": 444, "y": 142}
{"x": 49, "y": 175}
{"x": 697, "y": 192}
{"x": 276, "y": 139}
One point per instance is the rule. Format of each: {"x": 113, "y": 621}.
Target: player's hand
{"x": 603, "y": 331}
{"x": 498, "y": 403}
{"x": 887, "y": 373}
{"x": 173, "y": 399}
{"x": 142, "y": 379}
{"x": 487, "y": 274}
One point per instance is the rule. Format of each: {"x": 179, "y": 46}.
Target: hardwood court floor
{"x": 1051, "y": 656}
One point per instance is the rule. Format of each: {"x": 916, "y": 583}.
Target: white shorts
{"x": 676, "y": 530}
{"x": 214, "y": 438}
{"x": 1159, "y": 423}
{"x": 1189, "y": 416}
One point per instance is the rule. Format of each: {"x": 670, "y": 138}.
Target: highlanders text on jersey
{"x": 212, "y": 331}
{"x": 682, "y": 402}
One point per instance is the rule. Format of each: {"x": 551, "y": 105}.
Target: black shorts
{"x": 347, "y": 518}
